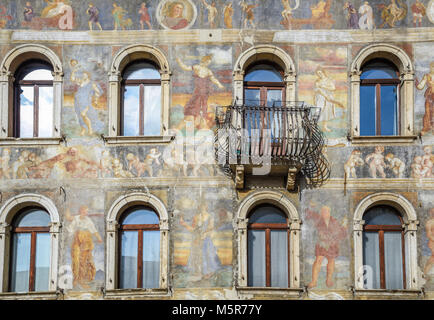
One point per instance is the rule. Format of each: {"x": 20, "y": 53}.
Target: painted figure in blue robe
{"x": 85, "y": 99}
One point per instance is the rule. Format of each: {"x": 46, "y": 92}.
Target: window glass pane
{"x": 140, "y": 215}
{"x": 367, "y": 110}
{"x": 256, "y": 258}
{"x": 33, "y": 218}
{"x": 371, "y": 260}
{"x": 26, "y": 112}
{"x": 20, "y": 262}
{"x": 279, "y": 258}
{"x": 140, "y": 71}
{"x": 152, "y": 111}
{"x": 131, "y": 111}
{"x": 389, "y": 111}
{"x": 128, "y": 266}
{"x": 45, "y": 112}
{"x": 252, "y": 97}
{"x": 267, "y": 214}
{"x": 42, "y": 262}
{"x": 382, "y": 215}
{"x": 39, "y": 74}
{"x": 274, "y": 98}
{"x": 264, "y": 73}
{"x": 393, "y": 260}
{"x": 379, "y": 69}
{"x": 151, "y": 259}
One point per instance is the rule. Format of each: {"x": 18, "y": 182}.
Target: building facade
{"x": 115, "y": 183}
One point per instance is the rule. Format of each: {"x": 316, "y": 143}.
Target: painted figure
{"x": 396, "y": 165}
{"x": 83, "y": 229}
{"x": 392, "y": 13}
{"x": 17, "y": 172}
{"x": 203, "y": 259}
{"x": 287, "y": 13}
{"x": 376, "y": 162}
{"x": 324, "y": 98}
{"x": 353, "y": 161}
{"x": 429, "y": 229}
{"x": 212, "y": 13}
{"x": 105, "y": 164}
{"x": 366, "y": 19}
{"x": 150, "y": 158}
{"x": 175, "y": 18}
{"x": 118, "y": 170}
{"x": 4, "y": 160}
{"x": 28, "y": 12}
{"x": 352, "y": 17}
{"x": 118, "y": 16}
{"x": 330, "y": 232}
{"x": 249, "y": 14}
{"x": 428, "y": 161}
{"x": 419, "y": 11}
{"x": 228, "y": 12}
{"x": 417, "y": 170}
{"x": 60, "y": 9}
{"x": 196, "y": 108}
{"x": 428, "y": 81}
{"x": 84, "y": 101}
{"x": 93, "y": 14}
{"x": 144, "y": 16}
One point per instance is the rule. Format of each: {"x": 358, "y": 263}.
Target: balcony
{"x": 281, "y": 139}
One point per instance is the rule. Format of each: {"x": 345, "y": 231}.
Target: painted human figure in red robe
{"x": 330, "y": 232}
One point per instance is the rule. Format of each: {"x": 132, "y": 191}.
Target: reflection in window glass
{"x": 152, "y": 111}
{"x": 140, "y": 215}
{"x": 128, "y": 267}
{"x": 151, "y": 259}
{"x": 20, "y": 262}
{"x": 45, "y": 112}
{"x": 39, "y": 74}
{"x": 140, "y": 71}
{"x": 256, "y": 258}
{"x": 131, "y": 111}
{"x": 26, "y": 112}
{"x": 42, "y": 262}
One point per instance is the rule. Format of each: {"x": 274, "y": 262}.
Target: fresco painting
{"x": 203, "y": 237}
{"x": 56, "y": 14}
{"x": 322, "y": 82}
{"x": 176, "y": 15}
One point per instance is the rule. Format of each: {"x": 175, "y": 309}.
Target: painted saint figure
{"x": 366, "y": 19}
{"x": 330, "y": 232}
{"x": 429, "y": 229}
{"x": 249, "y": 14}
{"x": 212, "y": 13}
{"x": 428, "y": 81}
{"x": 144, "y": 16}
{"x": 83, "y": 229}
{"x": 352, "y": 17}
{"x": 419, "y": 11}
{"x": 84, "y": 100}
{"x": 28, "y": 12}
{"x": 93, "y": 13}
{"x": 228, "y": 12}
{"x": 196, "y": 108}
{"x": 175, "y": 18}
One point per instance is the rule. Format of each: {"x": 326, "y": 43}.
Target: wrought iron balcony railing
{"x": 284, "y": 134}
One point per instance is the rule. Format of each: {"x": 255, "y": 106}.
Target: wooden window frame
{"x": 140, "y": 228}
{"x": 267, "y": 227}
{"x": 378, "y": 83}
{"x": 34, "y": 231}
{"x": 141, "y": 83}
{"x": 380, "y": 229}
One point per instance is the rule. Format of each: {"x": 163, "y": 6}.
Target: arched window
{"x": 33, "y": 106}
{"x": 268, "y": 248}
{"x": 379, "y": 103}
{"x": 30, "y": 251}
{"x": 139, "y": 265}
{"x": 141, "y": 100}
{"x": 384, "y": 248}
{"x": 263, "y": 85}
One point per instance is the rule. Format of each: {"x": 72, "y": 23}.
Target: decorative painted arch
{"x": 410, "y": 226}
{"x": 7, "y": 212}
{"x": 282, "y": 202}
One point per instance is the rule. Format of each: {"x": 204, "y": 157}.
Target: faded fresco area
{"x": 325, "y": 241}
{"x": 202, "y": 237}
{"x": 323, "y": 82}
{"x": 426, "y": 238}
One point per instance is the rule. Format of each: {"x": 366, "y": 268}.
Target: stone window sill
{"x": 387, "y": 294}
{"x": 136, "y": 293}
{"x": 10, "y": 141}
{"x": 270, "y": 292}
{"x": 46, "y": 295}
{"x": 138, "y": 139}
{"x": 382, "y": 140}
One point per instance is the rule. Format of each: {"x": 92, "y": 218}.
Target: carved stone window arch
{"x": 266, "y": 53}
{"x": 112, "y": 239}
{"x": 409, "y": 217}
{"x": 400, "y": 59}
{"x": 7, "y": 213}
{"x": 278, "y": 200}
{"x": 122, "y": 59}
{"x": 11, "y": 62}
